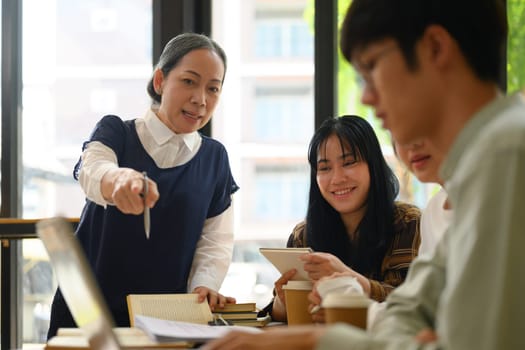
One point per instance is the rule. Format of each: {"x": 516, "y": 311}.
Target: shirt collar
{"x": 162, "y": 134}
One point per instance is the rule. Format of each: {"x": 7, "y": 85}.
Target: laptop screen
{"x": 77, "y": 282}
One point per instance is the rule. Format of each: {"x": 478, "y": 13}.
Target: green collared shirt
{"x": 471, "y": 290}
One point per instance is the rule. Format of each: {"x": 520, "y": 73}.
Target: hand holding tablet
{"x": 285, "y": 259}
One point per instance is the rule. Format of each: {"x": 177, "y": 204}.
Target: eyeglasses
{"x": 364, "y": 69}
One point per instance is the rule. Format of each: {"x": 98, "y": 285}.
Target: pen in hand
{"x": 146, "y": 208}
{"x": 315, "y": 309}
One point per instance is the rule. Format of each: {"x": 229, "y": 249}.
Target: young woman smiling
{"x": 353, "y": 222}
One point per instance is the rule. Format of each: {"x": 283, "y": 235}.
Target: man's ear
{"x": 438, "y": 45}
{"x": 158, "y": 80}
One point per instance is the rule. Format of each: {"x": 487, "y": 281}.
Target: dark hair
{"x": 176, "y": 49}
{"x": 478, "y": 26}
{"x": 325, "y": 230}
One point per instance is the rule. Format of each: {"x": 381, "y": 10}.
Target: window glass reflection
{"x": 265, "y": 119}
{"x": 81, "y": 60}
{"x": 283, "y": 115}
{"x": 282, "y": 34}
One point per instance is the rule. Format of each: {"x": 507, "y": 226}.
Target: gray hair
{"x": 176, "y": 49}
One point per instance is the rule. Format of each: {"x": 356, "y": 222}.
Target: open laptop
{"x": 77, "y": 283}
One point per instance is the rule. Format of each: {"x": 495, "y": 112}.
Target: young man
{"x": 431, "y": 70}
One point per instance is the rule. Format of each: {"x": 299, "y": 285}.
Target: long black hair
{"x": 325, "y": 230}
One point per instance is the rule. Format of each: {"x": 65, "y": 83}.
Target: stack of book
{"x": 186, "y": 308}
{"x": 242, "y": 314}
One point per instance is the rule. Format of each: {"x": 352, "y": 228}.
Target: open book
{"x": 174, "y": 307}
{"x": 186, "y": 308}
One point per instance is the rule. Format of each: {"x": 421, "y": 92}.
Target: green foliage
{"x": 350, "y": 91}
{"x": 349, "y": 98}
{"x": 515, "y": 45}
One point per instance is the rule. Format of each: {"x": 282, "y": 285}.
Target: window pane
{"x": 284, "y": 182}
{"x": 265, "y": 119}
{"x": 38, "y": 285}
{"x": 281, "y": 33}
{"x": 281, "y": 115}
{"x": 81, "y": 60}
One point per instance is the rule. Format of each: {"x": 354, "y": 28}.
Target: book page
{"x": 174, "y": 307}
{"x": 169, "y": 331}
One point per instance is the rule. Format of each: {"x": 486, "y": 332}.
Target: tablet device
{"x": 285, "y": 259}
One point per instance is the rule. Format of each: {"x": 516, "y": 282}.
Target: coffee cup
{"x": 296, "y": 296}
{"x": 349, "y": 308}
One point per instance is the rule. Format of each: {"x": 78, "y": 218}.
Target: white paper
{"x": 171, "y": 331}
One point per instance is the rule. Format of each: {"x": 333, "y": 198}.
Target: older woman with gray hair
{"x": 160, "y": 164}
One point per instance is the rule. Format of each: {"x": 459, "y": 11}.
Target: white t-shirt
{"x": 434, "y": 222}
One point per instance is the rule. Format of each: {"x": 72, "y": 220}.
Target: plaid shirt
{"x": 402, "y": 251}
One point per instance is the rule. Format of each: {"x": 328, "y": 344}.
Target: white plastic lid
{"x": 299, "y": 285}
{"x": 346, "y": 300}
